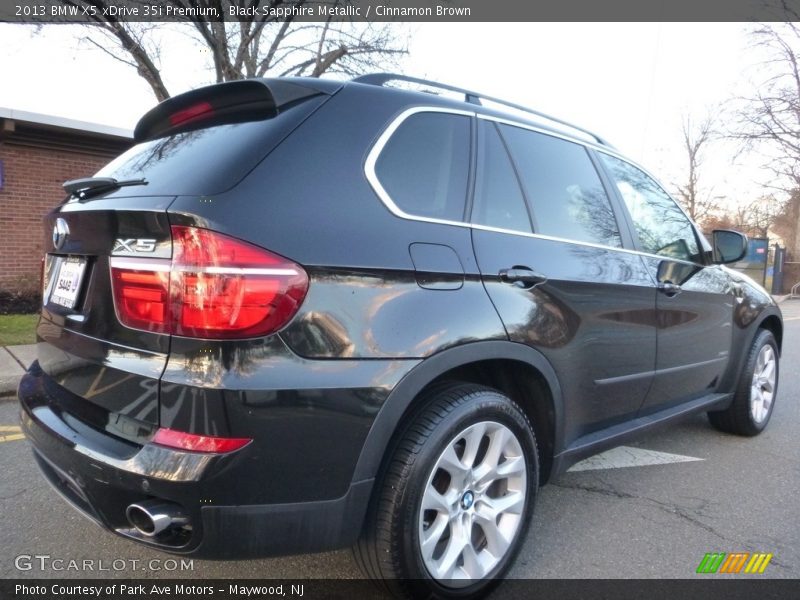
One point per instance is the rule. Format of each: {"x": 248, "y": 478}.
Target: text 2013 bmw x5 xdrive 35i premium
{"x": 301, "y": 315}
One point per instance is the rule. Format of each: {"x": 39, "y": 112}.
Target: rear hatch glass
{"x": 204, "y": 161}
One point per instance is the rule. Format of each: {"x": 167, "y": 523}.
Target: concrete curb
{"x": 13, "y": 362}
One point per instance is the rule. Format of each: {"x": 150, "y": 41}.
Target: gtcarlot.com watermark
{"x": 47, "y": 562}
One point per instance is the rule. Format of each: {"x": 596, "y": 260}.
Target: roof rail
{"x": 473, "y": 98}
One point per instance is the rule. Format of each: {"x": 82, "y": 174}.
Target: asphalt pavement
{"x": 720, "y": 493}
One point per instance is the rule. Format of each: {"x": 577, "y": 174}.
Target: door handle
{"x": 669, "y": 289}
{"x": 521, "y": 275}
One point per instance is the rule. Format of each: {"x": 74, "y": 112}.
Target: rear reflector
{"x": 197, "y": 443}
{"x": 215, "y": 287}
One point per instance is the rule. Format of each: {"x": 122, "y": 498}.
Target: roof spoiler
{"x": 223, "y": 104}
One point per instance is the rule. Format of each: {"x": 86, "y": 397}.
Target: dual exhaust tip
{"x": 152, "y": 517}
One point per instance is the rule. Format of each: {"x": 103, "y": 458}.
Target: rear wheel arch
{"x": 455, "y": 498}
{"x": 516, "y": 370}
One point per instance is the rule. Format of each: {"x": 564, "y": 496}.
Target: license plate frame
{"x": 68, "y": 281}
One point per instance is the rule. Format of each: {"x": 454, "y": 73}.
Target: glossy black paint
{"x": 694, "y": 331}
{"x": 595, "y": 303}
{"x": 362, "y": 314}
{"x": 86, "y": 349}
{"x": 394, "y": 304}
{"x": 308, "y": 418}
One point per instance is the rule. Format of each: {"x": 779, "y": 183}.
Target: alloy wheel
{"x": 473, "y": 504}
{"x": 762, "y": 389}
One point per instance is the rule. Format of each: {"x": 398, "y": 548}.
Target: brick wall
{"x": 32, "y": 178}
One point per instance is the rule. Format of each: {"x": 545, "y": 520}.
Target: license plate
{"x": 67, "y": 284}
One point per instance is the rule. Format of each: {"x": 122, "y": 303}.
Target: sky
{"x": 631, "y": 83}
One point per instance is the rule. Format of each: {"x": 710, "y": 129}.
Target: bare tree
{"x": 787, "y": 224}
{"x": 754, "y": 217}
{"x": 769, "y": 121}
{"x": 257, "y": 46}
{"x": 697, "y": 201}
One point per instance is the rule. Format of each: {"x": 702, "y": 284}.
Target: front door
{"x": 694, "y": 303}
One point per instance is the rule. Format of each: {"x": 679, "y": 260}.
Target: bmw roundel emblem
{"x": 60, "y": 233}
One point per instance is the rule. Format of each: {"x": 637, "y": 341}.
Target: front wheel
{"x": 754, "y": 398}
{"x": 455, "y": 498}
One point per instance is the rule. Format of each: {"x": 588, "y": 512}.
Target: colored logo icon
{"x": 735, "y": 562}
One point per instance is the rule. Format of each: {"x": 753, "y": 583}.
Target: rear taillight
{"x": 141, "y": 293}
{"x": 214, "y": 287}
{"x": 197, "y": 443}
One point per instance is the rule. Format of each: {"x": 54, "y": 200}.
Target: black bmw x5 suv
{"x": 301, "y": 315}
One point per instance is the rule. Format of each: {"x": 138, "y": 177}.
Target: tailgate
{"x": 82, "y": 345}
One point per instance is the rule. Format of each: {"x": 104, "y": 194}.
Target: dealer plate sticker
{"x": 68, "y": 282}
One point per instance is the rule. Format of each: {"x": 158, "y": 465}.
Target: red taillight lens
{"x": 197, "y": 443}
{"x": 225, "y": 288}
{"x": 215, "y": 287}
{"x": 141, "y": 294}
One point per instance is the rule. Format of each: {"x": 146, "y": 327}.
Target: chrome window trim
{"x": 651, "y": 176}
{"x": 554, "y": 238}
{"x": 695, "y": 229}
{"x": 586, "y": 143}
{"x": 377, "y": 148}
{"x": 543, "y": 130}
{"x": 380, "y": 143}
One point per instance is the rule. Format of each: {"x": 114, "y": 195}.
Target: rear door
{"x": 553, "y": 260}
{"x": 694, "y": 302}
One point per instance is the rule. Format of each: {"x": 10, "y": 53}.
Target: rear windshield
{"x": 206, "y": 161}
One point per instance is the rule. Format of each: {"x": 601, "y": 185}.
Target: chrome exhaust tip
{"x": 152, "y": 517}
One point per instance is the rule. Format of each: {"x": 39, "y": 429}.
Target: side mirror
{"x": 729, "y": 246}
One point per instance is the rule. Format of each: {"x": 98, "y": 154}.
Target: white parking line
{"x": 626, "y": 456}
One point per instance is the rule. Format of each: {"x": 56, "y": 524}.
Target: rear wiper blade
{"x": 92, "y": 186}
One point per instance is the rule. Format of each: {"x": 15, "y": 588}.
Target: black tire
{"x": 739, "y": 418}
{"x": 389, "y": 549}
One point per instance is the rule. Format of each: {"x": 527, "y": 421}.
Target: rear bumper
{"x": 101, "y": 475}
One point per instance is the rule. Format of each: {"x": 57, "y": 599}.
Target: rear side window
{"x": 662, "y": 227}
{"x": 563, "y": 187}
{"x": 498, "y": 198}
{"x": 425, "y": 165}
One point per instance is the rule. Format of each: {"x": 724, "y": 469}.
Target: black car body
{"x": 411, "y": 248}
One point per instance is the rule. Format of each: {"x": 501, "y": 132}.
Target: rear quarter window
{"x": 424, "y": 166}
